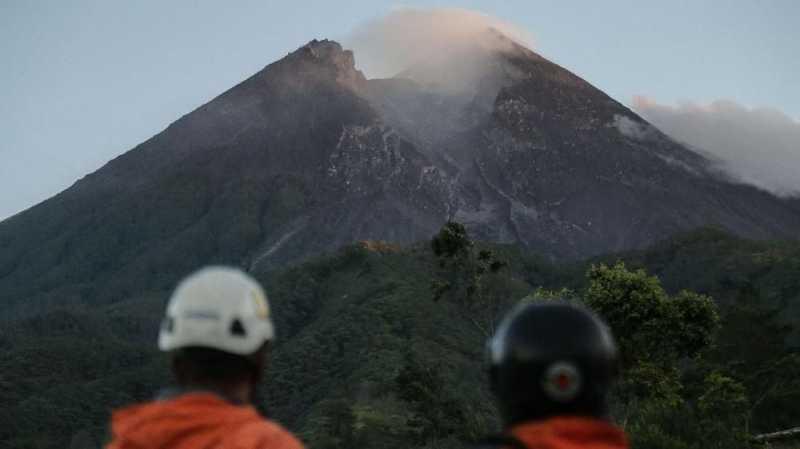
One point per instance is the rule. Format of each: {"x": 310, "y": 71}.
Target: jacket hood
{"x": 571, "y": 433}
{"x": 187, "y": 421}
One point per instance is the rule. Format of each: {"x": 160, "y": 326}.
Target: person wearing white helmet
{"x": 218, "y": 330}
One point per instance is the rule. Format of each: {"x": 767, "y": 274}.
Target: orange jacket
{"x": 570, "y": 433}
{"x": 196, "y": 421}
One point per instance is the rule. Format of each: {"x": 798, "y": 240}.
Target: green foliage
{"x": 364, "y": 357}
{"x": 67, "y": 368}
{"x": 723, "y": 397}
{"x": 469, "y": 276}
{"x": 648, "y": 324}
{"x": 752, "y": 348}
{"x": 694, "y": 319}
{"x": 451, "y": 240}
{"x": 658, "y": 425}
{"x": 545, "y": 295}
{"x": 434, "y": 415}
{"x": 648, "y": 381}
{"x": 335, "y": 425}
{"x": 715, "y": 263}
{"x": 664, "y": 341}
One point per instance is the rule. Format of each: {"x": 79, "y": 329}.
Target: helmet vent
{"x": 237, "y": 328}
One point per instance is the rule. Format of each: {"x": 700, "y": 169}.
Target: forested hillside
{"x": 382, "y": 346}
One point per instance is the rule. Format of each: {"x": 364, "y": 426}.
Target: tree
{"x": 663, "y": 341}
{"x": 650, "y": 326}
{"x": 334, "y": 427}
{"x": 752, "y": 348}
{"x": 435, "y": 414}
{"x": 464, "y": 270}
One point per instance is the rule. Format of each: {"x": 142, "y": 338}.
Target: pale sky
{"x": 84, "y": 81}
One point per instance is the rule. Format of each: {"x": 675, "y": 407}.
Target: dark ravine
{"x": 308, "y": 155}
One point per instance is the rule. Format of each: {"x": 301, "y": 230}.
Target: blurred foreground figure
{"x": 217, "y": 329}
{"x": 552, "y": 366}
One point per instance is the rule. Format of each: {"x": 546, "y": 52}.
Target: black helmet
{"x": 552, "y": 359}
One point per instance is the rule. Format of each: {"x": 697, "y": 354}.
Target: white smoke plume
{"x": 758, "y": 146}
{"x": 631, "y": 128}
{"x": 409, "y": 37}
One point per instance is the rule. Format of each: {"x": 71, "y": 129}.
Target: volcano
{"x": 308, "y": 155}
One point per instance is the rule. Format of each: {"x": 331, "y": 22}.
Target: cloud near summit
{"x": 407, "y": 36}
{"x": 759, "y": 146}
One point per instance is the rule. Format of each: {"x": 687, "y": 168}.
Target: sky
{"x": 83, "y": 81}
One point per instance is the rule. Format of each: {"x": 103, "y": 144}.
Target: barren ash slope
{"x": 308, "y": 155}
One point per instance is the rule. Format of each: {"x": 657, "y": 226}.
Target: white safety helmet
{"x": 217, "y": 307}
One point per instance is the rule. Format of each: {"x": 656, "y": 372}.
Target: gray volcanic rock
{"x": 308, "y": 155}
{"x": 557, "y": 165}
{"x": 289, "y": 163}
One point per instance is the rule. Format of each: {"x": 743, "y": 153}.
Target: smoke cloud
{"x": 411, "y": 37}
{"x": 758, "y": 146}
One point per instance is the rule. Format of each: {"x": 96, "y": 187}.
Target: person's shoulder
{"x": 264, "y": 433}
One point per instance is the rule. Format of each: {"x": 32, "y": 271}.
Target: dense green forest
{"x": 380, "y": 346}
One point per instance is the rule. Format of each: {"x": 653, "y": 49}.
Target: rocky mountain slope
{"x": 308, "y": 155}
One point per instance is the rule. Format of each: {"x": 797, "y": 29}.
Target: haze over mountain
{"x": 759, "y": 146}
{"x": 308, "y": 155}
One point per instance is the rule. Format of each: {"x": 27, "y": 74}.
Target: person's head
{"x": 217, "y": 328}
{"x": 551, "y": 359}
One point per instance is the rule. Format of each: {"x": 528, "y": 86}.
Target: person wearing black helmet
{"x": 551, "y": 368}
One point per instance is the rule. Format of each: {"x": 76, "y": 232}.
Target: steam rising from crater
{"x": 438, "y": 39}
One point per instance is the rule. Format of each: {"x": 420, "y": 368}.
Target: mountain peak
{"x": 327, "y": 50}
{"x": 332, "y": 53}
